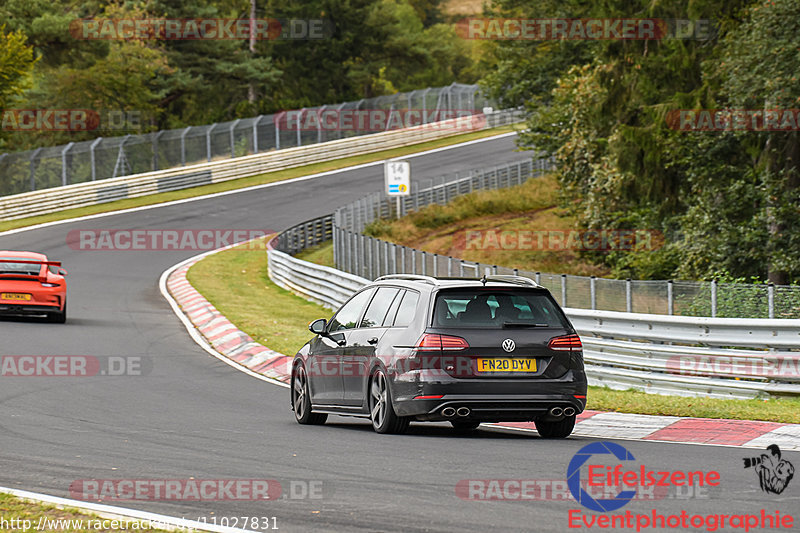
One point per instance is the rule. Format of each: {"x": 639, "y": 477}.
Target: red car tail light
{"x": 434, "y": 341}
{"x": 570, "y": 343}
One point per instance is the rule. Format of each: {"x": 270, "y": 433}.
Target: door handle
{"x": 373, "y": 340}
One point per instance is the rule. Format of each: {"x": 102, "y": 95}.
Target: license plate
{"x": 15, "y": 296}
{"x": 506, "y": 365}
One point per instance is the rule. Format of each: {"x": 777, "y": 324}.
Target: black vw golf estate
{"x": 417, "y": 348}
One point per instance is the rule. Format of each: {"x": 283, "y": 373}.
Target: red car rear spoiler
{"x": 33, "y": 262}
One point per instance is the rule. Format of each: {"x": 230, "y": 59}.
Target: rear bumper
{"x": 27, "y": 309}
{"x": 488, "y": 400}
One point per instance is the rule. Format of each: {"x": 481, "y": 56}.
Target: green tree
{"x": 16, "y": 63}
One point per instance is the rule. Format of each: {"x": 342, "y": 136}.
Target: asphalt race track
{"x": 192, "y": 416}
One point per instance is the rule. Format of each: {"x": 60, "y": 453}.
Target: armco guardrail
{"x": 641, "y": 361}
{"x": 85, "y": 194}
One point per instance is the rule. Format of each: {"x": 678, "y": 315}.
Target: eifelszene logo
{"x": 774, "y": 473}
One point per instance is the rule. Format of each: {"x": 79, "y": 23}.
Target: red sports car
{"x": 32, "y": 285}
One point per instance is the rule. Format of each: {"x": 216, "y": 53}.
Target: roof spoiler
{"x": 34, "y": 262}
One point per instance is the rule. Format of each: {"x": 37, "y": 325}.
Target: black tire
{"x": 384, "y": 419}
{"x": 465, "y": 425}
{"x": 59, "y": 317}
{"x": 556, "y": 430}
{"x": 301, "y": 399}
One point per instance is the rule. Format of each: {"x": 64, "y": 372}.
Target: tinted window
{"x": 493, "y": 308}
{"x": 378, "y": 307}
{"x": 405, "y": 313}
{"x": 348, "y": 315}
{"x": 389, "y": 319}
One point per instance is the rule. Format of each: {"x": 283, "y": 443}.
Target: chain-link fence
{"x": 112, "y": 157}
{"x": 369, "y": 257}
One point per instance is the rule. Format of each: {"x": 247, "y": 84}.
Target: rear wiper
{"x": 524, "y": 325}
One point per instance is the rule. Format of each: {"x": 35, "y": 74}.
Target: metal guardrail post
{"x": 593, "y": 292}
{"x": 394, "y": 259}
{"x": 233, "y": 140}
{"x": 713, "y": 298}
{"x": 425, "y": 105}
{"x": 64, "y": 171}
{"x": 461, "y": 268}
{"x": 771, "y": 300}
{"x": 538, "y": 279}
{"x": 494, "y": 269}
{"x": 424, "y": 263}
{"x": 402, "y": 260}
{"x": 320, "y": 111}
{"x": 670, "y": 298}
{"x": 563, "y": 290}
{"x": 628, "y": 300}
{"x": 435, "y": 265}
{"x": 413, "y": 260}
{"x": 93, "y": 162}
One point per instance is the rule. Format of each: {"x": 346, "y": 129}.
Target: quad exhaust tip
{"x": 569, "y": 411}
{"x": 448, "y": 412}
{"x": 462, "y": 411}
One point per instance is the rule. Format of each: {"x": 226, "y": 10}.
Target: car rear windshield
{"x": 496, "y": 308}
{"x": 18, "y": 268}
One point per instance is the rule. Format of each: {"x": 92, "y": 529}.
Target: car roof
{"x": 18, "y": 254}
{"x": 455, "y": 282}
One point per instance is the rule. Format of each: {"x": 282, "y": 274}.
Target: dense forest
{"x": 727, "y": 200}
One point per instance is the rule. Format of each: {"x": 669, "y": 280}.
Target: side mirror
{"x": 318, "y": 326}
{"x": 62, "y": 272}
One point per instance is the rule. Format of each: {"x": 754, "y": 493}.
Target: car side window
{"x": 376, "y": 311}
{"x": 389, "y": 319}
{"x": 405, "y": 313}
{"x": 348, "y": 315}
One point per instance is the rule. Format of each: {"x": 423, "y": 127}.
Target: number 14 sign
{"x": 398, "y": 178}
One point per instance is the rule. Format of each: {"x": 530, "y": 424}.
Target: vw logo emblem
{"x": 508, "y": 345}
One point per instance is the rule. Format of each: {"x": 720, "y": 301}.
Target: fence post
{"x": 461, "y": 268}
{"x": 299, "y": 120}
{"x": 713, "y": 298}
{"x": 628, "y": 302}
{"x": 233, "y": 145}
{"x": 538, "y": 278}
{"x": 435, "y": 265}
{"x": 255, "y": 133}
{"x": 208, "y": 140}
{"x": 670, "y": 301}
{"x": 593, "y": 292}
{"x": 34, "y": 155}
{"x": 449, "y": 266}
{"x": 276, "y": 121}
{"x": 402, "y": 260}
{"x": 424, "y": 264}
{"x": 494, "y": 269}
{"x": 413, "y": 260}
{"x": 183, "y": 146}
{"x": 771, "y": 299}
{"x": 156, "y": 138}
{"x": 319, "y": 123}
{"x": 386, "y": 257}
{"x": 64, "y": 171}
{"x": 394, "y": 258}
{"x": 93, "y": 163}
{"x": 563, "y": 290}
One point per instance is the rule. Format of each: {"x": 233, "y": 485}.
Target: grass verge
{"x": 260, "y": 179}
{"x": 531, "y": 206}
{"x": 236, "y": 282}
{"x": 34, "y": 516}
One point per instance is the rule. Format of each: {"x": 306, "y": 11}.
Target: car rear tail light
{"x": 430, "y": 397}
{"x": 50, "y": 284}
{"x": 434, "y": 341}
{"x": 568, "y": 343}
